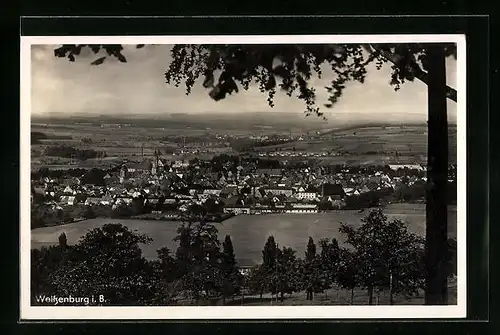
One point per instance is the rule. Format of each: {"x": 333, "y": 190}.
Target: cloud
{"x": 138, "y": 87}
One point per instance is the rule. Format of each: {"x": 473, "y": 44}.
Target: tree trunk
{"x": 437, "y": 181}
{"x": 370, "y": 295}
{"x": 282, "y": 297}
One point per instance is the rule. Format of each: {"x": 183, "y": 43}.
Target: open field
{"x": 361, "y": 146}
{"x": 118, "y": 143}
{"x": 372, "y": 145}
{"x": 356, "y": 144}
{"x": 249, "y": 232}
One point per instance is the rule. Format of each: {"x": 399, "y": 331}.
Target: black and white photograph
{"x": 219, "y": 177}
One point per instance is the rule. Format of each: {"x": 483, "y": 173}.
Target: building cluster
{"x": 173, "y": 186}
{"x": 292, "y": 153}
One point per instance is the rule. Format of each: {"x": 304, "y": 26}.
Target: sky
{"x": 63, "y": 88}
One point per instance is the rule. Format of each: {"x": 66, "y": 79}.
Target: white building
{"x": 306, "y": 195}
{"x": 302, "y": 209}
{"x": 396, "y": 167}
{"x": 212, "y": 191}
{"x": 280, "y": 191}
{"x": 237, "y": 210}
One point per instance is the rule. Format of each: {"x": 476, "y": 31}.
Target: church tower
{"x": 154, "y": 168}
{"x": 123, "y": 174}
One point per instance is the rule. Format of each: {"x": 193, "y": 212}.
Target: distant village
{"x": 165, "y": 189}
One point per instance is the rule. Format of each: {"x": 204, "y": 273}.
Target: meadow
{"x": 372, "y": 145}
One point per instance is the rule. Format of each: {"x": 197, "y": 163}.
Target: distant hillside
{"x": 451, "y": 126}
{"x": 219, "y": 121}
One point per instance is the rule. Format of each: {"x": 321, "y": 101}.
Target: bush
{"x": 43, "y": 215}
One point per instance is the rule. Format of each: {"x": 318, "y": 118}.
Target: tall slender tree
{"x": 269, "y": 264}
{"x": 183, "y": 254}
{"x": 63, "y": 241}
{"x": 311, "y": 271}
{"x": 232, "y": 277}
{"x": 269, "y": 254}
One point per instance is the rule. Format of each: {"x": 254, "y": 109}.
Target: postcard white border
{"x": 28, "y": 312}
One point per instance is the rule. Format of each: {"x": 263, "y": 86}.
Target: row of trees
{"x": 37, "y": 137}
{"x": 45, "y": 215}
{"x": 246, "y": 144}
{"x": 53, "y": 173}
{"x": 67, "y": 151}
{"x": 92, "y": 176}
{"x": 379, "y": 255}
